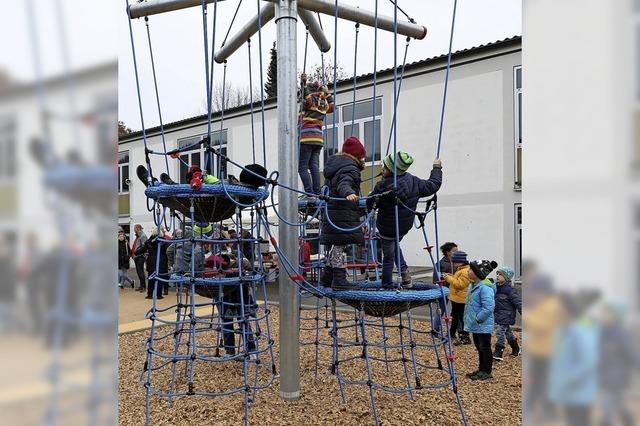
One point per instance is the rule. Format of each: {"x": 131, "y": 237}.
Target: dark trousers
{"x": 457, "y": 320}
{"x": 309, "y": 167}
{"x": 231, "y": 314}
{"x": 140, "y": 261}
{"x": 153, "y": 283}
{"x": 390, "y": 258}
{"x": 483, "y": 346}
{"x": 578, "y": 415}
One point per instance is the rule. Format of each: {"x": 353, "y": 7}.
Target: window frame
{"x": 201, "y": 152}
{"x": 517, "y": 240}
{"x": 517, "y": 128}
{"x": 8, "y": 149}
{"x": 340, "y": 124}
{"x": 121, "y": 191}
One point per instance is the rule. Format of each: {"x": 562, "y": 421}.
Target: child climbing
{"x": 409, "y": 190}
{"x": 458, "y": 283}
{"x": 342, "y": 176}
{"x": 478, "y": 315}
{"x": 507, "y": 303}
{"x": 317, "y": 102}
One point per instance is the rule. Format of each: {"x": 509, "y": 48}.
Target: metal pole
{"x": 314, "y": 29}
{"x": 364, "y": 17}
{"x": 286, "y": 20}
{"x": 234, "y": 43}
{"x": 153, "y": 7}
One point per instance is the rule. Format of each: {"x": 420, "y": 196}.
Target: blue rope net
{"x": 398, "y": 339}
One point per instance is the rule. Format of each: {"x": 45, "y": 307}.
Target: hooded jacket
{"x": 479, "y": 306}
{"x": 342, "y": 176}
{"x": 150, "y": 247}
{"x": 507, "y": 303}
{"x": 409, "y": 190}
{"x": 458, "y": 284}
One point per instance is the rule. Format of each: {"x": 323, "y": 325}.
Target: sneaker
{"x": 482, "y": 376}
{"x": 253, "y": 357}
{"x": 407, "y": 281}
{"x": 497, "y": 353}
{"x": 465, "y": 340}
{"x": 164, "y": 178}
{"x": 148, "y": 297}
{"x": 160, "y": 297}
{"x": 120, "y": 286}
{"x": 515, "y": 348}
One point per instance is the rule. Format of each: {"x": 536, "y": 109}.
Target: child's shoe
{"x": 407, "y": 281}
{"x": 497, "y": 353}
{"x": 326, "y": 276}
{"x": 482, "y": 375}
{"x": 515, "y": 348}
{"x": 472, "y": 374}
{"x": 465, "y": 340}
{"x": 340, "y": 282}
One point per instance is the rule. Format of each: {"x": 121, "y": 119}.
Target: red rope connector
{"x": 274, "y": 242}
{"x": 297, "y": 278}
{"x": 440, "y": 282}
{"x": 174, "y": 154}
{"x": 447, "y": 318}
{"x": 452, "y": 358}
{"x": 428, "y": 248}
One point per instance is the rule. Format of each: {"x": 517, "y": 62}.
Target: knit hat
{"x": 459, "y": 257}
{"x": 248, "y": 177}
{"x": 202, "y": 229}
{"x": 354, "y": 147}
{"x": 482, "y": 268}
{"x": 506, "y": 272}
{"x": 404, "y": 162}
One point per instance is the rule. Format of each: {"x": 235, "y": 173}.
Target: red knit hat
{"x": 353, "y": 146}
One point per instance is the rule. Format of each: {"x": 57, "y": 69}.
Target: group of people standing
{"x": 479, "y": 304}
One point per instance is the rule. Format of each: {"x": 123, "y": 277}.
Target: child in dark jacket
{"x": 340, "y": 227}
{"x": 409, "y": 190}
{"x": 507, "y": 303}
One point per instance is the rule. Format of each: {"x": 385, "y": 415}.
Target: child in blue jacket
{"x": 478, "y": 315}
{"x": 408, "y": 191}
{"x": 507, "y": 303}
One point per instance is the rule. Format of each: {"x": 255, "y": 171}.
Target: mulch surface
{"x": 495, "y": 401}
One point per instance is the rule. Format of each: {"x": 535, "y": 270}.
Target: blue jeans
{"x": 389, "y": 258}
{"x": 309, "y": 167}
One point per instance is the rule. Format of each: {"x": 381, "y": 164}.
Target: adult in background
{"x": 139, "y": 258}
{"x": 158, "y": 265}
{"x": 124, "y": 260}
{"x": 445, "y": 264}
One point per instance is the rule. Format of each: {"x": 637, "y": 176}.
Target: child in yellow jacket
{"x": 458, "y": 283}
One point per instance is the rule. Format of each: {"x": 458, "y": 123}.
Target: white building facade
{"x": 480, "y": 199}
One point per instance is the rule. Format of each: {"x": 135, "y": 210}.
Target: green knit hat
{"x": 405, "y": 160}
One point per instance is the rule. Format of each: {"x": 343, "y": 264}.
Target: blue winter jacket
{"x": 573, "y": 373}
{"x": 410, "y": 189}
{"x": 479, "y": 306}
{"x": 507, "y": 303}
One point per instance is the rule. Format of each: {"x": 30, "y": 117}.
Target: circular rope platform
{"x": 211, "y": 202}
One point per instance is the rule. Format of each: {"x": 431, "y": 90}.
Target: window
{"x": 123, "y": 172}
{"x": 518, "y": 241}
{"x": 355, "y": 120}
{"x": 7, "y": 148}
{"x": 517, "y": 84}
{"x": 194, "y": 154}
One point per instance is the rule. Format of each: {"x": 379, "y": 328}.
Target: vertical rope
{"x": 334, "y": 129}
{"x": 253, "y": 133}
{"x": 206, "y": 70}
{"x": 264, "y": 134}
{"x": 208, "y": 153}
{"x": 155, "y": 85}
{"x": 135, "y": 69}
{"x": 355, "y": 77}
{"x": 446, "y": 78}
{"x": 395, "y": 135}
{"x": 224, "y": 84}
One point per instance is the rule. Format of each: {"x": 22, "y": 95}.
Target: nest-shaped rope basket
{"x": 211, "y": 202}
{"x": 378, "y": 302}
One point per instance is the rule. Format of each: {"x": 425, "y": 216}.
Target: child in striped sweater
{"x": 317, "y": 102}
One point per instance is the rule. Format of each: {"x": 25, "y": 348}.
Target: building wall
{"x": 477, "y": 198}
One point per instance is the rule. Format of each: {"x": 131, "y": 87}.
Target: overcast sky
{"x": 97, "y": 31}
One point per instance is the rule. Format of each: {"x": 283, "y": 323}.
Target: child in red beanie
{"x": 340, "y": 228}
